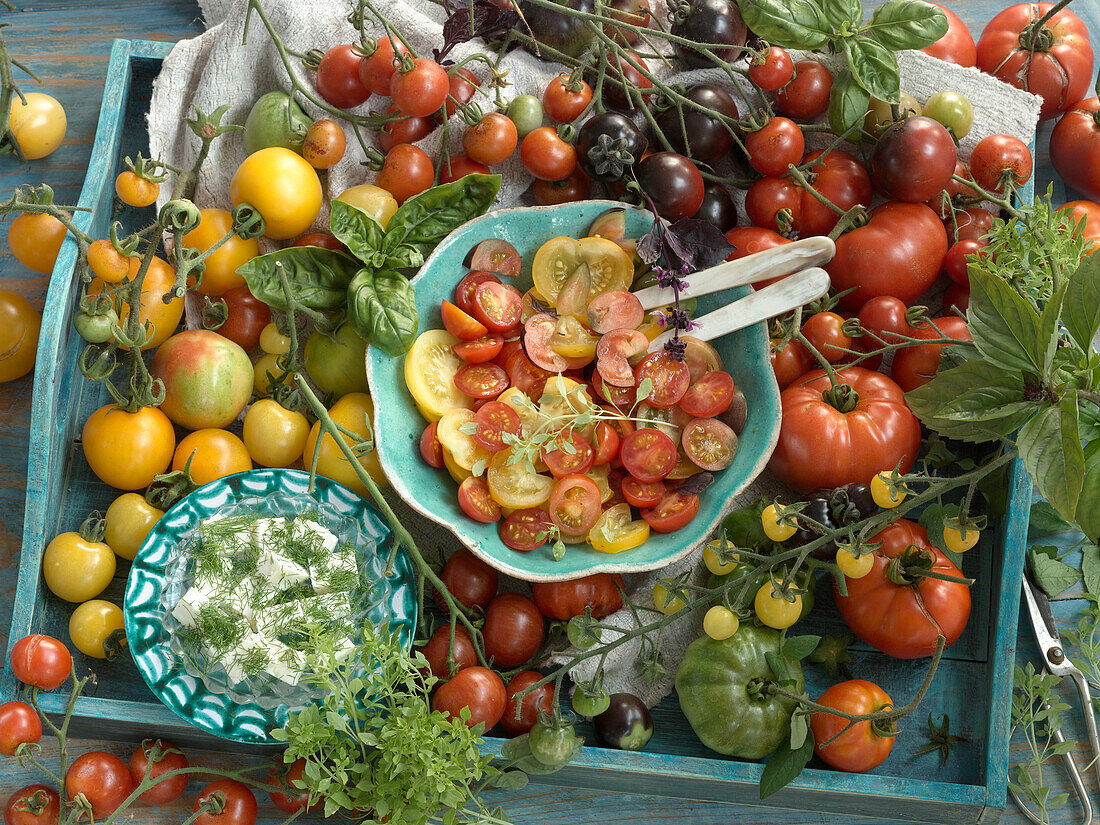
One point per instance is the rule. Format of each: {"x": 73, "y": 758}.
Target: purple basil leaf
{"x": 679, "y": 246}
{"x": 649, "y": 246}
{"x": 468, "y": 19}
{"x": 703, "y": 244}
{"x": 694, "y": 485}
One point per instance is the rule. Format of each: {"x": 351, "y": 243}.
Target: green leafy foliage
{"x": 1050, "y": 447}
{"x": 848, "y": 102}
{"x": 382, "y": 309}
{"x": 873, "y": 66}
{"x": 794, "y": 24}
{"x": 1046, "y": 521}
{"x": 1081, "y": 315}
{"x": 374, "y": 744}
{"x": 356, "y": 230}
{"x": 1051, "y": 573}
{"x": 1037, "y": 712}
{"x": 907, "y": 24}
{"x": 318, "y": 278}
{"x": 785, "y": 764}
{"x": 424, "y": 220}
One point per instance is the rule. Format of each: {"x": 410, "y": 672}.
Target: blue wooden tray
{"x": 973, "y": 685}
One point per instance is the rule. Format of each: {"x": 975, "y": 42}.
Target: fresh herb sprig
{"x": 1037, "y": 712}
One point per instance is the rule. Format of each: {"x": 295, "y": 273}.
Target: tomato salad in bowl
{"x": 542, "y": 501}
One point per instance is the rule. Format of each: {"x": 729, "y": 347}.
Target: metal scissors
{"x": 1056, "y": 661}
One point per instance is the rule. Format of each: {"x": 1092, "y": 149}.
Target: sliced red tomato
{"x": 672, "y": 512}
{"x": 613, "y": 354}
{"x": 574, "y": 505}
{"x": 648, "y": 454}
{"x": 536, "y": 341}
{"x": 480, "y": 350}
{"x": 607, "y": 443}
{"x": 526, "y": 529}
{"x": 475, "y": 501}
{"x": 430, "y": 448}
{"x": 670, "y": 378}
{"x": 497, "y": 305}
{"x": 460, "y": 324}
{"x": 464, "y": 292}
{"x": 709, "y": 396}
{"x": 643, "y": 493}
{"x": 528, "y": 376}
{"x": 709, "y": 443}
{"x": 508, "y": 348}
{"x": 615, "y": 309}
{"x": 494, "y": 420}
{"x": 572, "y": 454}
{"x": 481, "y": 380}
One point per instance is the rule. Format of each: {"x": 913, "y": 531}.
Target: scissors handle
{"x": 1089, "y": 711}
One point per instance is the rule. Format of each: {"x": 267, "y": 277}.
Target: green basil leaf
{"x": 1081, "y": 311}
{"x": 1049, "y": 331}
{"x": 318, "y": 277}
{"x": 784, "y": 765}
{"x": 965, "y": 402}
{"x": 799, "y": 730}
{"x": 1003, "y": 324}
{"x": 509, "y": 781}
{"x": 792, "y": 24}
{"x": 424, "y": 220}
{"x": 1050, "y": 447}
{"x": 907, "y": 24}
{"x": 874, "y": 67}
{"x": 848, "y": 103}
{"x": 1090, "y": 568}
{"x": 1089, "y": 517}
{"x": 1054, "y": 576}
{"x": 355, "y": 229}
{"x": 1046, "y": 521}
{"x": 404, "y": 257}
{"x": 382, "y": 307}
{"x": 842, "y": 14}
{"x": 797, "y": 648}
{"x": 931, "y": 519}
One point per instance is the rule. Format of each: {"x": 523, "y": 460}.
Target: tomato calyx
{"x": 760, "y": 689}
{"x": 884, "y": 728}
{"x": 1035, "y": 36}
{"x": 913, "y": 564}
{"x": 841, "y": 397}
{"x": 93, "y": 528}
{"x": 34, "y": 804}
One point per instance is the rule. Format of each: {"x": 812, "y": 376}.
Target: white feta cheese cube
{"x": 286, "y": 664}
{"x": 186, "y": 610}
{"x": 337, "y": 573}
{"x": 265, "y": 531}
{"x": 232, "y": 542}
{"x": 279, "y": 571}
{"x": 344, "y": 649}
{"x": 251, "y": 651}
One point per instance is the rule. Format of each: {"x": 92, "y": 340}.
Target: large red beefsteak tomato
{"x": 1075, "y": 147}
{"x": 897, "y": 609}
{"x": 957, "y": 46}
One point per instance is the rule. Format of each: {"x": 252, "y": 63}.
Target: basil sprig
{"x": 869, "y": 49}
{"x": 368, "y": 284}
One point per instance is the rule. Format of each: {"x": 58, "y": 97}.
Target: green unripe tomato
{"x": 337, "y": 366}
{"x": 952, "y": 110}
{"x": 275, "y": 120}
{"x": 95, "y": 327}
{"x": 526, "y": 112}
{"x": 586, "y": 705}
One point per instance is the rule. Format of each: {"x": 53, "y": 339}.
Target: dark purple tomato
{"x": 625, "y": 136}
{"x": 702, "y": 137}
{"x": 913, "y": 160}
{"x": 673, "y": 183}
{"x": 711, "y": 22}
{"x": 717, "y": 207}
{"x": 567, "y": 34}
{"x": 626, "y": 724}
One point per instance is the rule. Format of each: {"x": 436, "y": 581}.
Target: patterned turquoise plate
{"x": 153, "y": 585}
{"x": 431, "y": 492}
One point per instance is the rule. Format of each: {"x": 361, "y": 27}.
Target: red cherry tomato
{"x": 674, "y": 511}
{"x": 774, "y": 72}
{"x": 464, "y": 291}
{"x": 376, "y": 69}
{"x": 469, "y": 580}
{"x": 789, "y": 363}
{"x": 528, "y": 377}
{"x": 957, "y": 46}
{"x": 547, "y": 156}
{"x": 885, "y": 317}
{"x": 491, "y": 140}
{"x": 842, "y": 178}
{"x": 955, "y": 262}
{"x": 648, "y": 454}
{"x": 970, "y": 224}
{"x": 822, "y": 446}
{"x": 526, "y": 529}
{"x": 102, "y": 778}
{"x": 19, "y": 723}
{"x": 476, "y": 688}
{"x": 246, "y": 316}
{"x": 407, "y": 171}
{"x": 574, "y": 505}
{"x": 475, "y": 501}
{"x": 239, "y": 806}
{"x": 600, "y": 592}
{"x": 480, "y": 350}
{"x": 481, "y": 380}
{"x": 430, "y": 448}
{"x": 33, "y": 805}
{"x": 562, "y": 104}
{"x": 338, "y": 78}
{"x": 1090, "y": 213}
{"x": 643, "y": 493}
{"x": 998, "y": 156}
{"x": 775, "y": 146}
{"x": 462, "y": 86}
{"x": 915, "y": 366}
{"x": 293, "y": 799}
{"x": 606, "y": 440}
{"x": 1054, "y": 62}
{"x": 572, "y": 454}
{"x": 807, "y": 95}
{"x": 513, "y": 631}
{"x": 438, "y": 646}
{"x": 709, "y": 396}
{"x": 41, "y": 662}
{"x": 863, "y": 746}
{"x": 527, "y": 708}
{"x": 170, "y": 759}
{"x": 824, "y": 330}
{"x": 956, "y": 296}
{"x": 494, "y": 420}
{"x": 403, "y": 128}
{"x": 498, "y": 306}
{"x": 460, "y": 324}
{"x": 421, "y": 89}
{"x": 572, "y": 188}
{"x": 773, "y": 203}
{"x": 459, "y": 166}
{"x": 1075, "y": 147}
{"x": 670, "y": 378}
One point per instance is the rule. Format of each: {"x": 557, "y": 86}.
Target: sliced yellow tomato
{"x": 615, "y": 531}
{"x": 458, "y": 446}
{"x": 514, "y": 485}
{"x": 530, "y": 418}
{"x": 609, "y": 266}
{"x": 571, "y": 339}
{"x": 430, "y": 369}
{"x": 528, "y": 306}
{"x": 600, "y": 474}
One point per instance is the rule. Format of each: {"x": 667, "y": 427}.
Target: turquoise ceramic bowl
{"x": 247, "y": 712}
{"x": 432, "y": 492}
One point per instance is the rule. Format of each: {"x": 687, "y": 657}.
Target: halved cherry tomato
{"x": 526, "y": 529}
{"x": 709, "y": 444}
{"x": 494, "y": 420}
{"x": 481, "y": 380}
{"x": 574, "y": 505}
{"x": 528, "y": 376}
{"x": 643, "y": 493}
{"x": 573, "y": 454}
{"x": 648, "y": 454}
{"x": 709, "y": 396}
{"x": 464, "y": 291}
{"x": 460, "y": 324}
{"x": 670, "y": 378}
{"x": 480, "y": 350}
{"x": 536, "y": 340}
{"x": 430, "y": 448}
{"x": 475, "y": 501}
{"x": 616, "y": 530}
{"x": 673, "y": 512}
{"x": 497, "y": 305}
{"x": 606, "y": 440}
{"x": 615, "y": 309}
{"x": 613, "y": 354}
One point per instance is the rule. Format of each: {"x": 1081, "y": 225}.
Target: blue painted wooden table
{"x": 67, "y": 44}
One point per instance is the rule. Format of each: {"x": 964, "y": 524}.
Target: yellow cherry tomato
{"x": 615, "y": 531}
{"x": 282, "y": 187}
{"x": 38, "y": 125}
{"x": 91, "y": 627}
{"x": 266, "y": 375}
{"x": 354, "y": 412}
{"x": 608, "y": 265}
{"x": 773, "y": 528}
{"x": 720, "y": 623}
{"x": 159, "y": 280}
{"x": 274, "y": 435}
{"x": 882, "y": 494}
{"x": 214, "y": 454}
{"x": 511, "y": 485}
{"x": 35, "y": 239}
{"x": 666, "y": 604}
{"x": 715, "y": 564}
{"x": 374, "y": 200}
{"x": 430, "y": 369}
{"x": 127, "y": 449}
{"x": 776, "y": 609}
{"x": 76, "y": 569}
{"x": 960, "y": 540}
{"x": 220, "y": 268}
{"x": 109, "y": 265}
{"x": 20, "y": 324}
{"x": 129, "y": 520}
{"x": 853, "y": 566}
{"x": 273, "y": 341}
{"x": 134, "y": 190}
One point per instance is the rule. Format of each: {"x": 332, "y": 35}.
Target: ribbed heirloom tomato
{"x": 829, "y": 437}
{"x": 957, "y": 46}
